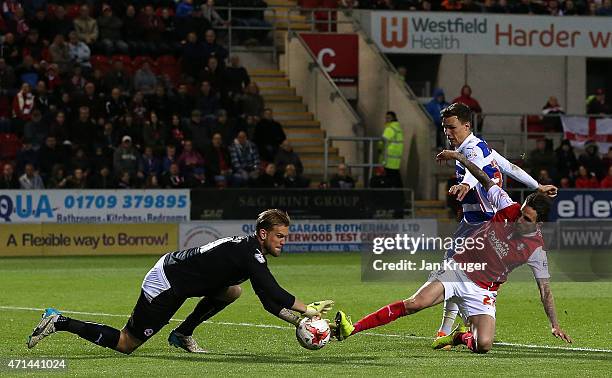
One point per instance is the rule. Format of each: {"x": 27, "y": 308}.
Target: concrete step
{"x": 275, "y": 90}
{"x": 320, "y": 162}
{"x": 263, "y": 72}
{"x": 279, "y": 107}
{"x": 311, "y": 141}
{"x": 304, "y": 133}
{"x": 300, "y": 123}
{"x": 274, "y": 81}
{"x": 281, "y": 98}
{"x": 293, "y": 116}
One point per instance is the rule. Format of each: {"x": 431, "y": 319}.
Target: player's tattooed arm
{"x": 548, "y": 302}
{"x": 289, "y": 316}
{"x": 480, "y": 175}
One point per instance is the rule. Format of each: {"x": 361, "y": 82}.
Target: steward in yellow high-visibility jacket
{"x": 392, "y": 148}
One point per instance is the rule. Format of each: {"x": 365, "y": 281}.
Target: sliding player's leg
{"x": 430, "y": 294}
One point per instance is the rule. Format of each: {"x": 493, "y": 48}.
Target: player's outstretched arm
{"x": 478, "y": 173}
{"x": 311, "y": 310}
{"x": 518, "y": 174}
{"x": 549, "y": 307}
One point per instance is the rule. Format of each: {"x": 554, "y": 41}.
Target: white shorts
{"x": 155, "y": 282}
{"x": 469, "y": 297}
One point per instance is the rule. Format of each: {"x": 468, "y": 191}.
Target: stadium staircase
{"x": 303, "y": 131}
{"x": 432, "y": 209}
{"x": 284, "y": 20}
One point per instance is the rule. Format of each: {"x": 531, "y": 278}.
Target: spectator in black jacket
{"x": 115, "y": 106}
{"x": 237, "y": 77}
{"x": 49, "y": 155}
{"x": 269, "y": 179}
{"x": 342, "y": 179}
{"x": 285, "y": 156}
{"x": 269, "y": 135}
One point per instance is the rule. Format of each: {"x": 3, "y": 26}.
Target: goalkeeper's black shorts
{"x": 148, "y": 317}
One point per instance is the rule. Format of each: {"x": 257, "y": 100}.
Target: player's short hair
{"x": 541, "y": 203}
{"x": 270, "y": 218}
{"x": 459, "y": 110}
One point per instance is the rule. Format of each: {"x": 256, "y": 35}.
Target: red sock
{"x": 467, "y": 339}
{"x": 383, "y": 316}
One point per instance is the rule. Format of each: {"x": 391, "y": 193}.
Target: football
{"x": 313, "y": 334}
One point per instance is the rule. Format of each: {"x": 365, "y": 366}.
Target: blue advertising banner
{"x": 582, "y": 204}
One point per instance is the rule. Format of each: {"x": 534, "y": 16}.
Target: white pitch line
{"x": 253, "y": 325}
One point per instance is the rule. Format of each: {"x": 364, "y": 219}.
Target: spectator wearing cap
{"x": 596, "y": 104}
{"x": 31, "y": 180}
{"x": 78, "y": 51}
{"x": 126, "y": 158}
{"x": 85, "y": 26}
{"x": 109, "y": 27}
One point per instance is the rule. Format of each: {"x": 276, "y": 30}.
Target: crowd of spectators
{"x": 567, "y": 169}
{"x": 131, "y": 95}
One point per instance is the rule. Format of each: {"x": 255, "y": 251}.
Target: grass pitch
{"x": 107, "y": 288}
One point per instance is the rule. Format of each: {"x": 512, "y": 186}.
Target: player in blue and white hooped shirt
{"x": 473, "y": 198}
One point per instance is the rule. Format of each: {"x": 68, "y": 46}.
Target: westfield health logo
{"x": 394, "y": 31}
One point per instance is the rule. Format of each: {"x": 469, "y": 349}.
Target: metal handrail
{"x": 370, "y": 164}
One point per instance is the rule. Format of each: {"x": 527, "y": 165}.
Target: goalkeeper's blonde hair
{"x": 266, "y": 220}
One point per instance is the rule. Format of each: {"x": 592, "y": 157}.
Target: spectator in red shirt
{"x": 467, "y": 99}
{"x": 586, "y": 179}
{"x": 606, "y": 183}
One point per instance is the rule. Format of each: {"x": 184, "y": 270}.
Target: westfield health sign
{"x": 462, "y": 33}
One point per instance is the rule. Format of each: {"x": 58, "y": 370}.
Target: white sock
{"x": 448, "y": 317}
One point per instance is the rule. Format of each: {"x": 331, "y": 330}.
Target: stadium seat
{"x": 138, "y": 61}
{"x": 127, "y": 61}
{"x": 166, "y": 61}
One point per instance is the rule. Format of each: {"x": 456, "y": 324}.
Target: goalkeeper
{"x": 213, "y": 271}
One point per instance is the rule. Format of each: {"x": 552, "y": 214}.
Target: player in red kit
{"x": 472, "y": 277}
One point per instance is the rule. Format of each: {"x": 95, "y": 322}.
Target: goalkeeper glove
{"x": 318, "y": 308}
